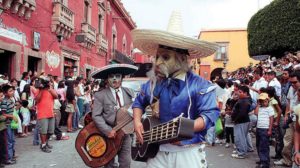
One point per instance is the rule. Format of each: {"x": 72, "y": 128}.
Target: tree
{"x": 275, "y": 29}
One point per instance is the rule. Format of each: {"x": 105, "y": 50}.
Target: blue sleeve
{"x": 207, "y": 108}
{"x": 142, "y": 100}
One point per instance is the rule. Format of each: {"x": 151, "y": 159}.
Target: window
{"x": 100, "y": 29}
{"x": 222, "y": 53}
{"x": 86, "y": 11}
{"x": 64, "y": 2}
{"x": 114, "y": 43}
{"x": 124, "y": 45}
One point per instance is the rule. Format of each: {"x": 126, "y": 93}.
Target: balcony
{"x": 89, "y": 31}
{"x": 121, "y": 58}
{"x": 102, "y": 43}
{"x": 20, "y": 7}
{"x": 62, "y": 20}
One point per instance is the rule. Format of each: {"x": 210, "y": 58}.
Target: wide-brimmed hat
{"x": 124, "y": 69}
{"x": 149, "y": 40}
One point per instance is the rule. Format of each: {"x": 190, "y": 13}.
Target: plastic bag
{"x": 14, "y": 124}
{"x": 219, "y": 126}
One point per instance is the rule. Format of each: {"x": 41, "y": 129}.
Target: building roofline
{"x": 221, "y": 30}
{"x": 125, "y": 13}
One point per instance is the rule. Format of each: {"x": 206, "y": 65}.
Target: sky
{"x": 196, "y": 14}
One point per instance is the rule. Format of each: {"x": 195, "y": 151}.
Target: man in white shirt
{"x": 81, "y": 98}
{"x": 24, "y": 81}
{"x": 274, "y": 82}
{"x": 289, "y": 133}
{"x": 259, "y": 83}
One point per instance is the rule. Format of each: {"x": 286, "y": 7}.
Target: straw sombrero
{"x": 124, "y": 69}
{"x": 148, "y": 40}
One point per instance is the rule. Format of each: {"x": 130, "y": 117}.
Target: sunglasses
{"x": 115, "y": 76}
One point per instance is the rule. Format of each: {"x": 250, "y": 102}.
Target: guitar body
{"x": 95, "y": 148}
{"x": 156, "y": 133}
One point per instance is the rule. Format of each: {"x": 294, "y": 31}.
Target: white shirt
{"x": 81, "y": 90}
{"x": 57, "y": 104}
{"x": 277, "y": 86}
{"x": 120, "y": 94}
{"x": 261, "y": 83}
{"x": 22, "y": 84}
{"x": 55, "y": 84}
{"x": 292, "y": 97}
{"x": 263, "y": 117}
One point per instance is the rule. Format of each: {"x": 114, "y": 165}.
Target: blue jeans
{"x": 10, "y": 142}
{"x": 75, "y": 119}
{"x": 240, "y": 137}
{"x": 36, "y": 138}
{"x": 262, "y": 145}
{"x": 211, "y": 135}
{"x": 80, "y": 102}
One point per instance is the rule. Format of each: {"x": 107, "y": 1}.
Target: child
{"x": 265, "y": 116}
{"x": 26, "y": 117}
{"x": 2, "y": 134}
{"x": 228, "y": 122}
{"x": 7, "y": 109}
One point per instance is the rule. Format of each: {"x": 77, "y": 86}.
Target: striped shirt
{"x": 7, "y": 106}
{"x": 263, "y": 118}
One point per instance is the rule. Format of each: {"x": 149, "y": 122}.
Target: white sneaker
{"x": 218, "y": 141}
{"x": 234, "y": 147}
{"x": 227, "y": 145}
{"x": 80, "y": 126}
{"x": 234, "y": 152}
{"x": 280, "y": 163}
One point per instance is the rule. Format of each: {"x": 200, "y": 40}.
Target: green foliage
{"x": 275, "y": 29}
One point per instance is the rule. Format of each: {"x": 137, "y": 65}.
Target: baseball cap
{"x": 263, "y": 96}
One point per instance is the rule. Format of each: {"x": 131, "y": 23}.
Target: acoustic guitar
{"x": 95, "y": 148}
{"x": 157, "y": 133}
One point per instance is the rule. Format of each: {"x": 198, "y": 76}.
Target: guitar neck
{"x": 174, "y": 130}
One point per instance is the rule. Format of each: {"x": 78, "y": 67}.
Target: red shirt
{"x": 45, "y": 106}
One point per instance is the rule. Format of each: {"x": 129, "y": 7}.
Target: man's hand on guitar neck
{"x": 112, "y": 134}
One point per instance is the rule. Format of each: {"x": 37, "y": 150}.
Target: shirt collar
{"x": 114, "y": 90}
{"x": 181, "y": 76}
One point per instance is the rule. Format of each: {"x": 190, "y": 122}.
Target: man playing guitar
{"x": 176, "y": 90}
{"x": 106, "y": 104}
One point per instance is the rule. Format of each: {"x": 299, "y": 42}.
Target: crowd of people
{"x": 261, "y": 101}
{"x": 40, "y": 105}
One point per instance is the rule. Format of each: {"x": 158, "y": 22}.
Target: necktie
{"x": 118, "y": 98}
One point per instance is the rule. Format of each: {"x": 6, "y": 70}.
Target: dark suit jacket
{"x": 104, "y": 109}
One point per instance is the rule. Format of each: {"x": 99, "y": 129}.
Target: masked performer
{"x": 176, "y": 90}
{"x": 108, "y": 101}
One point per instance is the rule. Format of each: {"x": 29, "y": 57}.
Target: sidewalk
{"x": 64, "y": 155}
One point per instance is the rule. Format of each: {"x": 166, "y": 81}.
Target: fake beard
{"x": 162, "y": 71}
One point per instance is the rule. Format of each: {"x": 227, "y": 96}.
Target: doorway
{"x": 33, "y": 64}
{"x": 6, "y": 59}
{"x": 87, "y": 73}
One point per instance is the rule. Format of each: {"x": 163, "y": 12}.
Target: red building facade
{"x": 63, "y": 37}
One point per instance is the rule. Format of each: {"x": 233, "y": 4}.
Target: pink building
{"x": 63, "y": 37}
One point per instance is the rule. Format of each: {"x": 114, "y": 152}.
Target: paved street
{"x": 64, "y": 155}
